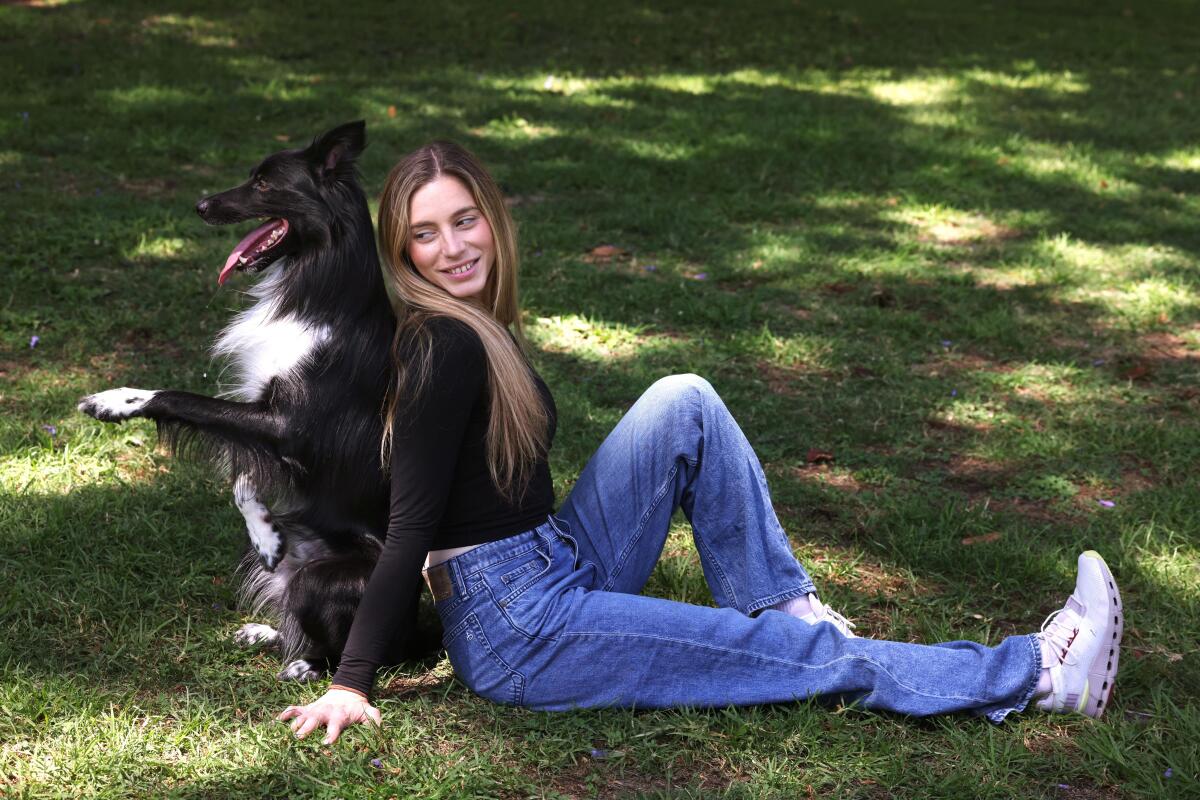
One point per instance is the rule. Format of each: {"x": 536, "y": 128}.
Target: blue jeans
{"x": 552, "y": 618}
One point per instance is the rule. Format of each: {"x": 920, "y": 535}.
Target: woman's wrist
{"x": 340, "y": 687}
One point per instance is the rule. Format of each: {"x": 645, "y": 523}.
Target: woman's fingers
{"x": 336, "y": 716}
{"x": 307, "y": 727}
{"x": 335, "y": 730}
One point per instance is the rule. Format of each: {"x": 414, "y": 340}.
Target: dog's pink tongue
{"x": 252, "y": 238}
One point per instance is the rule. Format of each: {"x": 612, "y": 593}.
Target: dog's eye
{"x": 260, "y": 185}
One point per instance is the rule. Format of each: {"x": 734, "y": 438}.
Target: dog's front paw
{"x": 300, "y": 671}
{"x": 116, "y": 405}
{"x": 254, "y": 634}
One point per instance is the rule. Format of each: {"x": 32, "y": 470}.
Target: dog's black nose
{"x": 202, "y": 207}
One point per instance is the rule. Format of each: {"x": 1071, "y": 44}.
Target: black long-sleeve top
{"x": 442, "y": 494}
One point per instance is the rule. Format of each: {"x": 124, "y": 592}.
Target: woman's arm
{"x": 425, "y": 450}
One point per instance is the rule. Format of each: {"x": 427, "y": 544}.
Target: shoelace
{"x": 834, "y": 618}
{"x": 1059, "y": 634}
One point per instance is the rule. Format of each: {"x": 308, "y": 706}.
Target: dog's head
{"x": 300, "y": 194}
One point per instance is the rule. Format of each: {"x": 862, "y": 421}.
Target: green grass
{"x": 954, "y": 246}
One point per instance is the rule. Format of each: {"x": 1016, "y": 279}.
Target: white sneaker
{"x": 1085, "y": 638}
{"x": 823, "y": 613}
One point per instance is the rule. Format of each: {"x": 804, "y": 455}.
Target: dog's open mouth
{"x": 254, "y": 251}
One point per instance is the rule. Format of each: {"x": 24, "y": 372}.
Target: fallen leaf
{"x": 1003, "y": 161}
{"x": 1103, "y": 184}
{"x": 604, "y": 253}
{"x": 391, "y": 112}
{"x": 838, "y": 288}
{"x": 282, "y": 137}
{"x": 982, "y": 538}
{"x": 1173, "y": 657}
{"x": 816, "y": 456}
{"x": 1136, "y": 373}
{"x": 892, "y": 201}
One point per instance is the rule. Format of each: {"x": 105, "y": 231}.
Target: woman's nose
{"x": 452, "y": 244}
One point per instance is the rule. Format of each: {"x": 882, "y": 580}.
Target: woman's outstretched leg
{"x": 679, "y": 447}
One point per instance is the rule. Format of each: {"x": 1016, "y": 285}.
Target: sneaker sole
{"x": 1102, "y": 674}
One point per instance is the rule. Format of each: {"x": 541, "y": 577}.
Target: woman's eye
{"x": 466, "y": 222}
{"x": 422, "y": 236}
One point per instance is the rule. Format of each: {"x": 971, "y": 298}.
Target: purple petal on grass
{"x": 947, "y": 343}
{"x": 1168, "y": 773}
{"x": 218, "y": 607}
{"x": 33, "y": 341}
{"x": 24, "y": 116}
{"x": 1064, "y": 786}
{"x": 700, "y": 276}
{"x": 376, "y": 763}
{"x": 599, "y": 754}
{"x": 954, "y": 392}
{"x": 1099, "y": 362}
{"x": 50, "y": 429}
{"x": 1106, "y": 503}
{"x": 650, "y": 267}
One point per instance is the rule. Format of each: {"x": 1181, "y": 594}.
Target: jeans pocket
{"x": 524, "y": 587}
{"x": 479, "y": 666}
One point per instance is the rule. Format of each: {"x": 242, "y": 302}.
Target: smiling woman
{"x": 543, "y": 608}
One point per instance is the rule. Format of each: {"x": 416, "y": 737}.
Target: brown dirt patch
{"x": 1166, "y": 346}
{"x": 417, "y": 685}
{"x": 827, "y": 475}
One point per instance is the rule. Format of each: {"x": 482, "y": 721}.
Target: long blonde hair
{"x": 517, "y": 429}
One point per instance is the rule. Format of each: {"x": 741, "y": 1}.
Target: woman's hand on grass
{"x": 337, "y": 709}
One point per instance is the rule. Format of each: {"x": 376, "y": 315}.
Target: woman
{"x": 543, "y": 609}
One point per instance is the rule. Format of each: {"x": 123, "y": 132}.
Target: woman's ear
{"x": 339, "y": 146}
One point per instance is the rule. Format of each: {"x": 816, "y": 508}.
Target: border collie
{"x": 299, "y": 430}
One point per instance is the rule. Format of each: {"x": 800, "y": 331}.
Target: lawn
{"x": 939, "y": 260}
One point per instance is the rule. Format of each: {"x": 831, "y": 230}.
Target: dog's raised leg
{"x": 266, "y": 539}
{"x": 207, "y": 415}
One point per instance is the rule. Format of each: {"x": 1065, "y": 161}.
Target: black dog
{"x": 300, "y": 431}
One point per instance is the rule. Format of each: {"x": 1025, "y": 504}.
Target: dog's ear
{"x": 340, "y": 146}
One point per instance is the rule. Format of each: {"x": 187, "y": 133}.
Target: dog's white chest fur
{"x": 261, "y": 345}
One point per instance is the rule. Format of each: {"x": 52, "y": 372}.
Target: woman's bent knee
{"x": 686, "y": 387}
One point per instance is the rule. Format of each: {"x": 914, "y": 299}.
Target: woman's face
{"x": 450, "y": 241}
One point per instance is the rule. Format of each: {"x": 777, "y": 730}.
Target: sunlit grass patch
{"x": 584, "y": 338}
{"x": 201, "y": 31}
{"x": 515, "y": 128}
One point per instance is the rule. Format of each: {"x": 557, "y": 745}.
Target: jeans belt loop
{"x": 440, "y": 582}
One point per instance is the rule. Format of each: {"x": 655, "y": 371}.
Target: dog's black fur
{"x": 301, "y": 438}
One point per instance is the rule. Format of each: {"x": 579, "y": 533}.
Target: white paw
{"x": 266, "y": 540}
{"x": 254, "y": 634}
{"x": 299, "y": 670}
{"x": 115, "y": 405}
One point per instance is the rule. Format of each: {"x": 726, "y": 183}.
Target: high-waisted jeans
{"x": 552, "y": 618}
